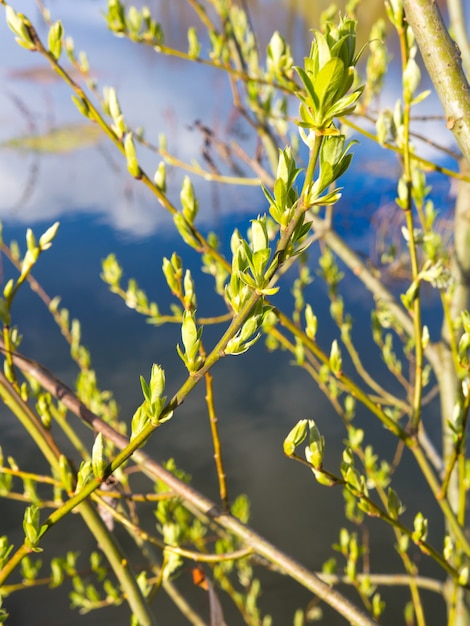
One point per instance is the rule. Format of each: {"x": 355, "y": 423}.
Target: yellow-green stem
{"x": 406, "y": 151}
{"x": 213, "y": 419}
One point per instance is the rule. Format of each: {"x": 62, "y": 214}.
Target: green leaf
{"x": 311, "y": 93}
{"x": 259, "y": 261}
{"x": 307, "y": 118}
{"x": 411, "y": 77}
{"x": 145, "y": 388}
{"x": 139, "y": 421}
{"x": 345, "y": 105}
{"x": 315, "y": 450}
{"x": 322, "y": 51}
{"x": 5, "y": 548}
{"x": 280, "y": 194}
{"x": 420, "y": 97}
{"x": 327, "y": 83}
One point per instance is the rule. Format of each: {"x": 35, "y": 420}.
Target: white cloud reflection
{"x": 157, "y": 93}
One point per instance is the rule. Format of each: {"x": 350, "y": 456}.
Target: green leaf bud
{"x": 140, "y": 420}
{"x": 65, "y": 473}
{"x": 420, "y": 528}
{"x": 55, "y": 40}
{"x": 189, "y": 332}
{"x": 354, "y": 479}
{"x": 159, "y": 177}
{"x": 191, "y": 340}
{"x": 311, "y": 322}
{"x": 82, "y": 106}
{"x": 189, "y": 291}
{"x": 46, "y": 239}
{"x": 411, "y": 78}
{"x": 378, "y": 606}
{"x": 323, "y": 478}
{"x": 411, "y": 294}
{"x": 259, "y": 235}
{"x": 344, "y": 538}
{"x": 31, "y": 526}
{"x": 188, "y": 200}
{"x": 18, "y": 23}
{"x": 449, "y": 548}
{"x": 7, "y": 290}
{"x": 84, "y": 474}
{"x": 131, "y": 156}
{"x": 194, "y": 45}
{"x": 44, "y": 410}
{"x": 98, "y": 461}
{"x": 296, "y": 436}
{"x": 425, "y": 337}
{"x": 83, "y": 62}
{"x": 5, "y": 548}
{"x": 184, "y": 229}
{"x": 279, "y": 60}
{"x": 394, "y": 506}
{"x": 112, "y": 271}
{"x": 111, "y": 103}
{"x": 335, "y": 361}
{"x": 355, "y": 437}
{"x": 30, "y": 240}
{"x": 171, "y": 276}
{"x": 134, "y": 21}
{"x": 29, "y": 260}
{"x": 153, "y": 393}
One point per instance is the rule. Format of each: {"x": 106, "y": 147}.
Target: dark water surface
{"x": 258, "y": 396}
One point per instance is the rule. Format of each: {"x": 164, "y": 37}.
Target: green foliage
{"x": 190, "y": 528}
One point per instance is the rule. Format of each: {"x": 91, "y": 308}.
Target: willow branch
{"x": 444, "y": 65}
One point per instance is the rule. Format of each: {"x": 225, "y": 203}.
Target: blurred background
{"x": 53, "y": 166}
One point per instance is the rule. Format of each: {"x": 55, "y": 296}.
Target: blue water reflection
{"x": 102, "y": 211}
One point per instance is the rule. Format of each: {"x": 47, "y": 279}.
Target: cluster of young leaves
{"x": 328, "y": 76}
{"x": 138, "y": 25}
